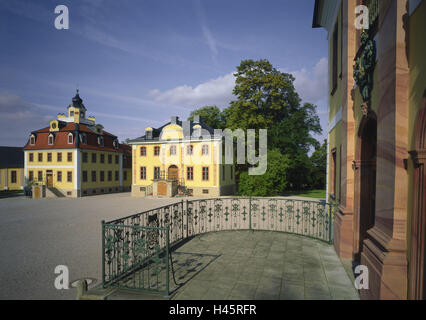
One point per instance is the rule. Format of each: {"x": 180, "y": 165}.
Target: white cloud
{"x": 212, "y": 92}
{"x": 312, "y": 85}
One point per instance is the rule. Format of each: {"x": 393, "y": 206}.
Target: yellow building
{"x": 377, "y": 139}
{"x": 11, "y": 168}
{"x": 75, "y": 157}
{"x": 181, "y": 157}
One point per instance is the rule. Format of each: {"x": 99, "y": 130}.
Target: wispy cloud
{"x": 86, "y": 24}
{"x": 18, "y": 118}
{"x": 216, "y": 91}
{"x": 207, "y": 34}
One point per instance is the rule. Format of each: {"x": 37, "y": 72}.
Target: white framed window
{"x": 205, "y": 150}
{"x": 115, "y": 144}
{"x": 32, "y": 140}
{"x": 101, "y": 141}
{"x": 70, "y": 138}
{"x": 190, "y": 150}
{"x": 50, "y": 139}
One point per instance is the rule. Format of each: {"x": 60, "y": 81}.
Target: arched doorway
{"x": 173, "y": 173}
{"x": 418, "y": 219}
{"x": 365, "y": 181}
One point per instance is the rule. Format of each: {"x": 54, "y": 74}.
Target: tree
{"x": 265, "y": 96}
{"x": 272, "y": 183}
{"x": 267, "y": 99}
{"x": 319, "y": 166}
{"x": 211, "y": 115}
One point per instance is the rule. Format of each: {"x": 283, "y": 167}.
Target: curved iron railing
{"x": 135, "y": 249}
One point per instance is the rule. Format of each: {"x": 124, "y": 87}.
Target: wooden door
{"x": 173, "y": 173}
{"x": 49, "y": 175}
{"x": 161, "y": 188}
{"x": 37, "y": 192}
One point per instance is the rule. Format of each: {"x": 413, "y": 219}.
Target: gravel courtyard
{"x": 38, "y": 235}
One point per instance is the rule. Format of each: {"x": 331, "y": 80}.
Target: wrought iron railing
{"x": 135, "y": 249}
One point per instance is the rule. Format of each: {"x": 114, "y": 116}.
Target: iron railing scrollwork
{"x": 135, "y": 249}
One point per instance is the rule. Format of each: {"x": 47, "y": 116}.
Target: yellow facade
{"x": 378, "y": 130}
{"x": 106, "y": 175}
{"x": 11, "y": 178}
{"x": 75, "y": 157}
{"x": 68, "y": 170}
{"x": 173, "y": 152}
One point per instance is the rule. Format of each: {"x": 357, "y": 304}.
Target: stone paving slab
{"x": 266, "y": 265}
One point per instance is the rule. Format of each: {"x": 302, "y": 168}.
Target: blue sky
{"x": 137, "y": 63}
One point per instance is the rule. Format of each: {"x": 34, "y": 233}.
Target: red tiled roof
{"x": 61, "y": 139}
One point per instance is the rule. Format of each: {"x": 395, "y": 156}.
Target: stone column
{"x": 343, "y": 223}
{"x": 384, "y": 250}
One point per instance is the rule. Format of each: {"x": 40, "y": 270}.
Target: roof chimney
{"x": 197, "y": 119}
{"x": 174, "y": 120}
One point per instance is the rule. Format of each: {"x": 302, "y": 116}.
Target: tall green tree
{"x": 319, "y": 166}
{"x": 265, "y": 96}
{"x": 266, "y": 99}
{"x": 211, "y": 115}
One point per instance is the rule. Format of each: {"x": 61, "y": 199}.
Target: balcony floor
{"x": 259, "y": 265}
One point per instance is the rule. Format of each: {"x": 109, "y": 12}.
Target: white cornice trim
{"x": 173, "y": 141}
{"x": 335, "y": 120}
{"x": 66, "y": 149}
{"x": 50, "y": 167}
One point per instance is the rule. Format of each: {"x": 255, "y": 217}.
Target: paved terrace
{"x": 260, "y": 265}
{"x": 246, "y": 265}
{"x": 38, "y": 235}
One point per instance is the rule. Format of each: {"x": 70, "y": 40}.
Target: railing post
{"x": 183, "y": 213}
{"x": 330, "y": 225}
{"x": 167, "y": 261}
{"x": 103, "y": 253}
{"x": 250, "y": 214}
{"x": 187, "y": 224}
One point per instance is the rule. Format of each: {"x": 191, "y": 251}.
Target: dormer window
{"x": 196, "y": 131}
{"x": 70, "y": 138}
{"x": 83, "y": 138}
{"x": 50, "y": 139}
{"x": 101, "y": 141}
{"x": 148, "y": 133}
{"x": 32, "y": 140}
{"x": 115, "y": 144}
